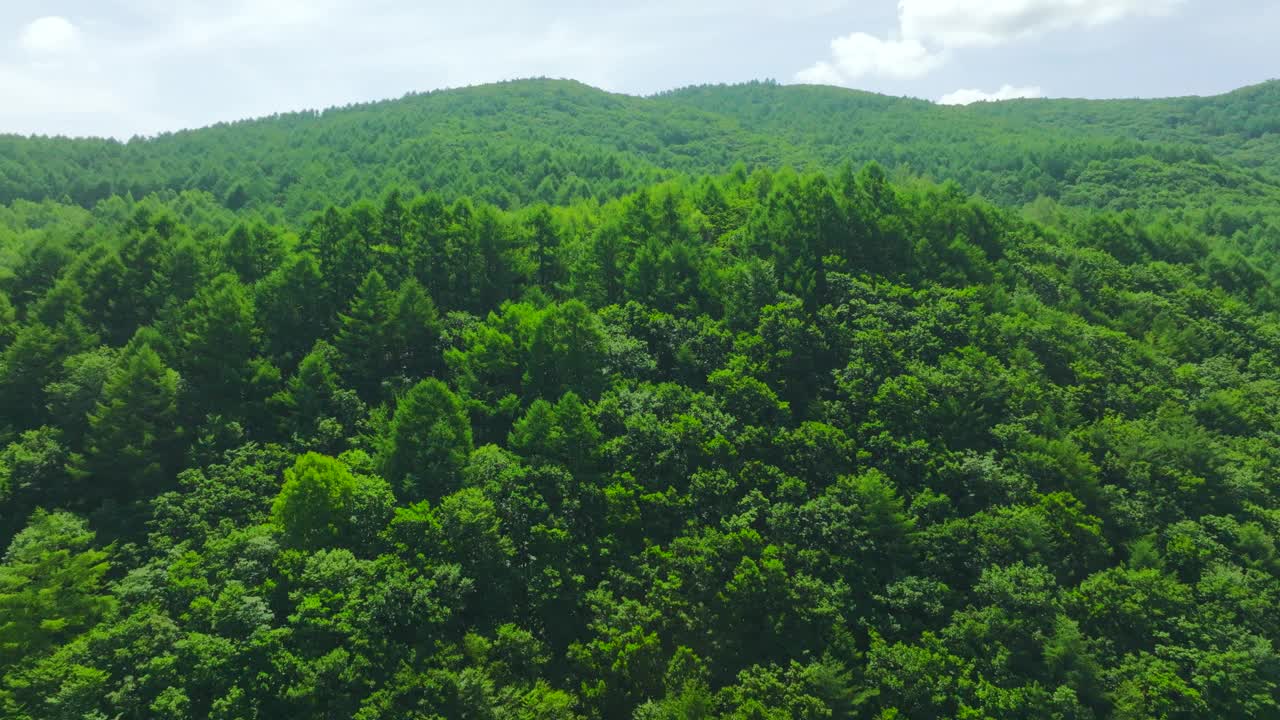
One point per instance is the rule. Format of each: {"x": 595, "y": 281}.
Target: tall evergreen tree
{"x": 567, "y": 352}
{"x": 133, "y": 443}
{"x": 292, "y": 308}
{"x": 313, "y": 407}
{"x": 218, "y": 339}
{"x": 364, "y": 337}
{"x": 429, "y": 441}
{"x": 252, "y": 251}
{"x": 415, "y": 331}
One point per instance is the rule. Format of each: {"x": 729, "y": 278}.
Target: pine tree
{"x": 363, "y": 338}
{"x": 415, "y": 330}
{"x": 51, "y": 586}
{"x": 314, "y": 406}
{"x": 567, "y": 352}
{"x": 429, "y": 442}
{"x": 133, "y": 440}
{"x": 544, "y": 244}
{"x": 27, "y": 365}
{"x": 291, "y": 308}
{"x": 218, "y": 339}
{"x": 252, "y": 251}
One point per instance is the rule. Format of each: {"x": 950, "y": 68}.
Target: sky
{"x": 139, "y": 67}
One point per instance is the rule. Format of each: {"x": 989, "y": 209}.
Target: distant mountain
{"x": 557, "y": 141}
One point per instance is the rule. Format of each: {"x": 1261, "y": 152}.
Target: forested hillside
{"x": 521, "y": 142}
{"x": 529, "y": 401}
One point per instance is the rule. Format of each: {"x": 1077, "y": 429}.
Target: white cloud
{"x": 860, "y": 55}
{"x": 928, "y": 30}
{"x": 820, "y": 73}
{"x": 152, "y": 65}
{"x": 129, "y": 66}
{"x": 51, "y": 34}
{"x": 1007, "y": 92}
{"x": 968, "y": 23}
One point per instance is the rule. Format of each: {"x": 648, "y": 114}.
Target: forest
{"x": 756, "y": 402}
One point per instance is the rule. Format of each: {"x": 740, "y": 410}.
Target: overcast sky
{"x": 125, "y": 67}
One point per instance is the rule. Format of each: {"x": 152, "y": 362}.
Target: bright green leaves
{"x": 51, "y": 586}
{"x": 770, "y": 445}
{"x": 324, "y": 504}
{"x": 314, "y": 506}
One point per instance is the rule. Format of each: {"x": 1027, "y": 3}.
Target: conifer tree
{"x": 429, "y": 442}
{"x": 415, "y": 332}
{"x": 567, "y": 352}
{"x": 218, "y": 338}
{"x": 314, "y": 406}
{"x": 363, "y": 338}
{"x": 51, "y": 586}
{"x": 133, "y": 439}
{"x": 292, "y": 308}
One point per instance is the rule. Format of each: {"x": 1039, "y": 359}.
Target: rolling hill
{"x": 557, "y": 141}
{"x": 533, "y": 402}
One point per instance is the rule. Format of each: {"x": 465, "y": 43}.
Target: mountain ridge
{"x": 364, "y": 104}
{"x": 557, "y": 141}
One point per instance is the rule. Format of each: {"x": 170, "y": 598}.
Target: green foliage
{"x": 364, "y": 336}
{"x": 314, "y": 409}
{"x": 51, "y": 586}
{"x": 566, "y": 352}
{"x": 218, "y": 336}
{"x": 315, "y": 505}
{"x": 134, "y": 432}
{"x": 585, "y": 432}
{"x": 428, "y": 441}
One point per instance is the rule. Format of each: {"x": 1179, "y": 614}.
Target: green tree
{"x": 52, "y": 586}
{"x": 415, "y": 330}
{"x": 28, "y": 365}
{"x": 292, "y": 308}
{"x": 8, "y": 321}
{"x": 134, "y": 438}
{"x": 564, "y": 433}
{"x": 33, "y": 473}
{"x": 314, "y": 407}
{"x": 567, "y": 352}
{"x": 472, "y": 536}
{"x": 544, "y": 245}
{"x": 252, "y": 251}
{"x": 218, "y": 337}
{"x": 428, "y": 442}
{"x": 314, "y": 507}
{"x": 72, "y": 398}
{"x": 364, "y": 337}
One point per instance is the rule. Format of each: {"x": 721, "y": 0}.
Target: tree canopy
{"x": 530, "y": 401}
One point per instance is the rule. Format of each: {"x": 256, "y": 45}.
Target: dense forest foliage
{"x": 529, "y": 401}
{"x": 517, "y": 143}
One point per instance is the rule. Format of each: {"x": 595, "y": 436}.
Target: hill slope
{"x": 1013, "y": 151}
{"x": 766, "y": 444}
{"x": 557, "y": 141}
